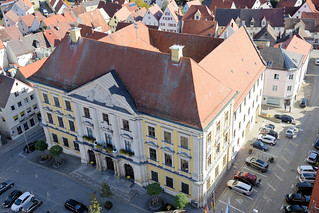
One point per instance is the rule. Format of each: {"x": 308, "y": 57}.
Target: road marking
{"x": 271, "y": 187}
{"x": 278, "y": 177}
{"x": 281, "y": 207}
{"x": 240, "y": 201}
{"x": 22, "y": 155}
{"x": 282, "y": 169}
{"x": 255, "y": 190}
{"x": 297, "y": 177}
{"x": 267, "y": 198}
{"x": 255, "y": 171}
{"x": 241, "y": 194}
{"x": 232, "y": 206}
{"x": 292, "y": 186}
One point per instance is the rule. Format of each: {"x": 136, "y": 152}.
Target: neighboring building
{"x": 10, "y": 34}
{"x": 152, "y": 16}
{"x": 90, "y": 5}
{"x": 162, "y": 3}
{"x": 28, "y": 24}
{"x": 139, "y": 14}
{"x": 109, "y": 8}
{"x": 237, "y": 4}
{"x": 307, "y": 6}
{"x": 6, "y": 6}
{"x": 189, "y": 4}
{"x": 3, "y": 56}
{"x": 289, "y": 3}
{"x": 10, "y": 19}
{"x": 97, "y": 18}
{"x": 123, "y": 15}
{"x": 22, "y": 7}
{"x": 19, "y": 111}
{"x": 58, "y": 6}
{"x": 171, "y": 18}
{"x": 228, "y": 30}
{"x": 266, "y": 33}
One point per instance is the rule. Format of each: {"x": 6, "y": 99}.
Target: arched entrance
{"x": 129, "y": 172}
{"x": 109, "y": 163}
{"x": 91, "y": 157}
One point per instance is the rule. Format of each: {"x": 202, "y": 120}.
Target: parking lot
{"x": 288, "y": 154}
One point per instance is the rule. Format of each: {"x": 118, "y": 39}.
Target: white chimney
{"x": 75, "y": 34}
{"x": 176, "y": 52}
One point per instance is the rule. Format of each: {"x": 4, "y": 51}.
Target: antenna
{"x": 136, "y": 27}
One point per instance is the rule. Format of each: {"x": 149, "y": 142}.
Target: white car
{"x": 307, "y": 178}
{"x": 22, "y": 201}
{"x": 307, "y": 169}
{"x": 241, "y": 187}
{"x": 317, "y": 62}
{"x": 271, "y": 140}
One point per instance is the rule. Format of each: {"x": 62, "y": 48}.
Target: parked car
{"x": 312, "y": 157}
{"x": 269, "y": 132}
{"x": 297, "y": 199}
{"x": 4, "y": 186}
{"x": 241, "y": 187}
{"x": 317, "y": 62}
{"x": 11, "y": 198}
{"x": 32, "y": 206}
{"x": 285, "y": 118}
{"x": 75, "y": 206}
{"x": 29, "y": 148}
{"x": 267, "y": 139}
{"x": 22, "y": 201}
{"x": 290, "y": 132}
{"x": 45, "y": 12}
{"x": 316, "y": 144}
{"x": 246, "y": 177}
{"x": 258, "y": 144}
{"x": 304, "y": 188}
{"x": 257, "y": 164}
{"x": 303, "y": 103}
{"x": 307, "y": 178}
{"x": 295, "y": 208}
{"x": 307, "y": 169}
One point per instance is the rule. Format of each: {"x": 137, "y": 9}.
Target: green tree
{"x": 180, "y": 201}
{"x": 153, "y": 190}
{"x": 141, "y": 4}
{"x": 274, "y": 3}
{"x": 95, "y": 205}
{"x": 41, "y": 146}
{"x": 106, "y": 190}
{"x": 55, "y": 151}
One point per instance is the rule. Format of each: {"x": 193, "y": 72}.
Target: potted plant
{"x": 271, "y": 159}
{"x": 180, "y": 201}
{"x": 41, "y": 146}
{"x": 250, "y": 150}
{"x": 153, "y": 190}
{"x": 106, "y": 192}
{"x": 95, "y": 205}
{"x": 55, "y": 152}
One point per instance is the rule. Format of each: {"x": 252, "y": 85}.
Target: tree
{"x": 41, "y": 145}
{"x": 153, "y": 190}
{"x": 141, "y": 4}
{"x": 274, "y": 3}
{"x": 95, "y": 205}
{"x": 180, "y": 201}
{"x": 55, "y": 151}
{"x": 106, "y": 190}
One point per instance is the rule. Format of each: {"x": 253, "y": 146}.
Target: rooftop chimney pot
{"x": 75, "y": 34}
{"x": 176, "y": 52}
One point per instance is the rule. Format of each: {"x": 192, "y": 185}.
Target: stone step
{"x": 139, "y": 189}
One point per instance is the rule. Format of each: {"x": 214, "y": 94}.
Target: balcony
{"x": 127, "y": 152}
{"x": 89, "y": 139}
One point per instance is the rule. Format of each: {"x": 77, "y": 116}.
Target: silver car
{"x": 241, "y": 187}
{"x": 271, "y": 140}
{"x": 291, "y": 131}
{"x": 307, "y": 169}
{"x": 307, "y": 178}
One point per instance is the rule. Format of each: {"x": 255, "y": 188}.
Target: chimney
{"x": 75, "y": 34}
{"x": 176, "y": 52}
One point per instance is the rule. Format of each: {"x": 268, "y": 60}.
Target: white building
{"x": 170, "y": 20}
{"x": 152, "y": 16}
{"x": 22, "y": 7}
{"x": 189, "y": 4}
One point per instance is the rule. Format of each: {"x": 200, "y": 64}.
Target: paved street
{"x": 288, "y": 155}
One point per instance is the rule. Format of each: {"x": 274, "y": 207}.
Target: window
{"x": 184, "y": 142}
{"x": 19, "y": 104}
{"x": 50, "y": 119}
{"x": 22, "y": 114}
{"x": 55, "y": 138}
{"x": 185, "y": 188}
{"x": 224, "y": 160}
{"x": 291, "y": 76}
{"x": 126, "y": 125}
{"x": 128, "y": 145}
{"x": 209, "y": 137}
{"x": 154, "y": 176}
{"x": 67, "y": 105}
{"x": 29, "y": 110}
{"x": 108, "y": 138}
{"x": 168, "y": 160}
{"x": 239, "y": 125}
{"x": 13, "y": 108}
{"x": 209, "y": 161}
{"x": 152, "y": 154}
{"x": 60, "y": 121}
{"x": 86, "y": 112}
{"x": 289, "y": 88}
{"x": 169, "y": 182}
{"x": 15, "y": 117}
{"x": 19, "y": 129}
{"x": 25, "y": 126}
{"x": 76, "y": 146}
{"x": 35, "y": 106}
{"x": 217, "y": 149}
{"x": 151, "y": 131}
{"x": 245, "y": 102}
{"x": 240, "y": 109}
{"x": 234, "y": 115}
{"x": 89, "y": 131}
{"x": 71, "y": 126}
{"x": 274, "y": 88}
{"x": 3, "y": 119}
{"x": 254, "y": 88}
{"x": 276, "y": 76}
{"x": 32, "y": 97}
{"x": 16, "y": 94}
{"x": 105, "y": 118}
{"x": 216, "y": 171}
{"x": 167, "y": 137}
{"x": 26, "y": 100}
{"x": 45, "y": 98}
{"x": 208, "y": 184}
{"x": 32, "y": 122}
{"x": 184, "y": 165}
{"x": 65, "y": 142}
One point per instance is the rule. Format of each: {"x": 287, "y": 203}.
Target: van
{"x": 304, "y": 188}
{"x": 45, "y": 12}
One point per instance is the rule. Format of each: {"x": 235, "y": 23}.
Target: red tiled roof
{"x": 220, "y": 4}
{"x": 110, "y": 8}
{"x": 175, "y": 11}
{"x": 193, "y": 2}
{"x": 316, "y": 3}
{"x": 156, "y": 11}
{"x": 94, "y": 18}
{"x": 199, "y": 27}
{"x": 69, "y": 16}
{"x": 238, "y": 69}
{"x": 311, "y": 5}
{"x": 30, "y": 69}
{"x": 309, "y": 15}
{"x": 131, "y": 6}
{"x": 12, "y": 16}
{"x": 182, "y": 92}
{"x": 244, "y": 3}
{"x": 52, "y": 2}
{"x": 59, "y": 5}
{"x": 28, "y": 19}
{"x": 205, "y": 13}
{"x": 286, "y": 3}
{"x": 27, "y": 3}
{"x": 122, "y": 14}
{"x": 55, "y": 19}
{"x": 88, "y": 32}
{"x": 297, "y": 45}
{"x": 1, "y": 44}
{"x": 12, "y": 33}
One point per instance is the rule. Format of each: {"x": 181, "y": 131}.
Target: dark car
{"x": 32, "y": 206}
{"x": 75, "y": 206}
{"x": 11, "y": 198}
{"x": 269, "y": 132}
{"x": 297, "y": 199}
{"x": 246, "y": 177}
{"x": 304, "y": 102}
{"x": 4, "y": 186}
{"x": 304, "y": 188}
{"x": 295, "y": 208}
{"x": 257, "y": 164}
{"x": 285, "y": 118}
{"x": 313, "y": 157}
{"x": 316, "y": 145}
{"x": 258, "y": 144}
{"x": 29, "y": 148}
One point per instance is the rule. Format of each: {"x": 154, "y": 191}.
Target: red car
{"x": 246, "y": 178}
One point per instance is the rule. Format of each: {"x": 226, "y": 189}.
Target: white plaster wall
{"x": 149, "y": 19}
